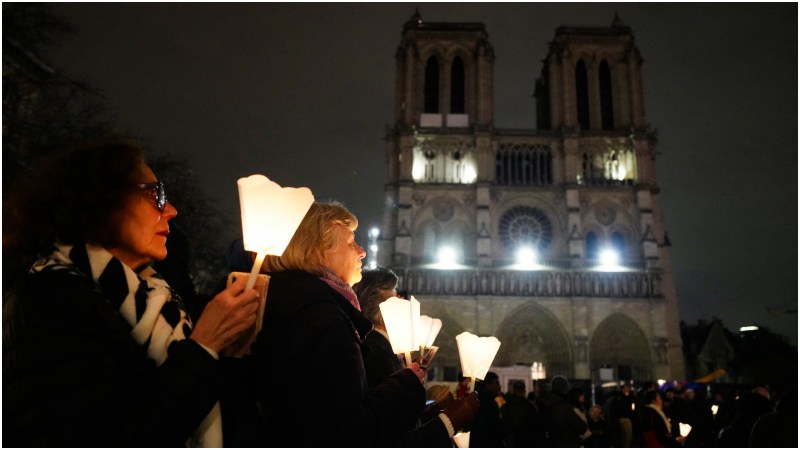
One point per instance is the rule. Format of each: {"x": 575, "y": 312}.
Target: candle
{"x": 270, "y": 216}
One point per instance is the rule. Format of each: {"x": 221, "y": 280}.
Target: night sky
{"x": 302, "y": 93}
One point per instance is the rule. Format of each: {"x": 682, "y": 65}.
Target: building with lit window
{"x": 550, "y": 239}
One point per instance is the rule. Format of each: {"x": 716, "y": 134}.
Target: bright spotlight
{"x": 526, "y": 256}
{"x": 609, "y": 258}
{"x": 374, "y": 232}
{"x": 447, "y": 256}
{"x": 373, "y": 248}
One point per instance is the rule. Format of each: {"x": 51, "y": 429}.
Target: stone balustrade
{"x": 567, "y": 283}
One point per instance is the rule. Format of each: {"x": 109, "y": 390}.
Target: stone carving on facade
{"x": 443, "y": 210}
{"x": 483, "y": 232}
{"x": 469, "y": 199}
{"x": 660, "y": 350}
{"x": 403, "y": 229}
{"x": 495, "y": 196}
{"x": 605, "y": 214}
{"x": 419, "y": 198}
{"x": 581, "y": 346}
{"x": 583, "y": 199}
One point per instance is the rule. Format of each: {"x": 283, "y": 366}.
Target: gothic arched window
{"x": 429, "y": 239}
{"x": 618, "y": 243}
{"x": 457, "y": 83}
{"x": 432, "y": 85}
{"x": 606, "y": 98}
{"x": 592, "y": 246}
{"x": 582, "y": 94}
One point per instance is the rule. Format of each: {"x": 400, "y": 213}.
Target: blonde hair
{"x": 313, "y": 238}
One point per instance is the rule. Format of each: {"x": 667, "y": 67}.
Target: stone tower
{"x": 504, "y": 232}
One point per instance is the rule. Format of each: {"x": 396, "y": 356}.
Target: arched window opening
{"x": 432, "y": 85}
{"x": 457, "y": 87}
{"x": 429, "y": 243}
{"x": 606, "y": 98}
{"x": 582, "y": 95}
{"x": 592, "y": 246}
{"x": 618, "y": 243}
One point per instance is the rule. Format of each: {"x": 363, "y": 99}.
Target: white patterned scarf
{"x": 663, "y": 417}
{"x": 146, "y": 302}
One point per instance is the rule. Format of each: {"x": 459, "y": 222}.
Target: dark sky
{"x": 302, "y": 93}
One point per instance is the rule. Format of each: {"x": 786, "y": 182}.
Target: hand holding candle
{"x": 476, "y": 354}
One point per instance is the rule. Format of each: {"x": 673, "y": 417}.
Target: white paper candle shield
{"x": 685, "y": 429}
{"x": 270, "y": 213}
{"x": 401, "y": 318}
{"x": 462, "y": 439}
{"x": 476, "y": 354}
{"x": 428, "y": 330}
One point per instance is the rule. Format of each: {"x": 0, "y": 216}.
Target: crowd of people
{"x": 562, "y": 415}
{"x": 102, "y": 350}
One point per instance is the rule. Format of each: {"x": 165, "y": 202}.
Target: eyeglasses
{"x": 156, "y": 189}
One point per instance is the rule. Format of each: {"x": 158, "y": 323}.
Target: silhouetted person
{"x": 564, "y": 426}
{"x": 520, "y": 418}
{"x": 621, "y": 413}
{"x": 657, "y": 430}
{"x": 599, "y": 429}
{"x": 487, "y": 430}
{"x": 777, "y": 428}
{"x": 752, "y": 406}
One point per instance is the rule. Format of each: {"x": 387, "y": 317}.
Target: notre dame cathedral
{"x": 550, "y": 239}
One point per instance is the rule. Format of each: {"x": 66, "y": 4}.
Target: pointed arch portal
{"x": 619, "y": 343}
{"x": 531, "y": 333}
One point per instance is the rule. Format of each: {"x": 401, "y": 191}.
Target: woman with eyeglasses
{"x": 97, "y": 348}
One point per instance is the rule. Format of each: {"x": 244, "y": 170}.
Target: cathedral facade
{"x": 550, "y": 239}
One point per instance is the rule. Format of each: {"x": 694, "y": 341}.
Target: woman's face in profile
{"x": 143, "y": 229}
{"x": 345, "y": 256}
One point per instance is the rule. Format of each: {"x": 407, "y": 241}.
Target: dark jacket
{"x": 379, "y": 360}
{"x": 655, "y": 430}
{"x": 312, "y": 389}
{"x": 487, "y": 431}
{"x": 565, "y": 426}
{"x": 74, "y": 377}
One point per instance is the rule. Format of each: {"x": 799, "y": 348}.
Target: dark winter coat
{"x": 74, "y": 377}
{"x": 379, "y": 359}
{"x": 566, "y": 427}
{"x": 655, "y": 430}
{"x": 311, "y": 386}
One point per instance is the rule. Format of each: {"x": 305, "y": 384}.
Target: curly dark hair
{"x": 372, "y": 290}
{"x": 74, "y": 196}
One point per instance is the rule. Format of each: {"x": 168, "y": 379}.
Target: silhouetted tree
{"x": 44, "y": 110}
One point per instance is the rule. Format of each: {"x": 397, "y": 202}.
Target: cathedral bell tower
{"x": 550, "y": 239}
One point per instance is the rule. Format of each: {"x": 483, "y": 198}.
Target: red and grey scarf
{"x": 337, "y": 284}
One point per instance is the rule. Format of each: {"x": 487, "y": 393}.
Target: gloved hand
{"x": 462, "y": 411}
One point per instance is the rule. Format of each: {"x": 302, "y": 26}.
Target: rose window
{"x": 525, "y": 226}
